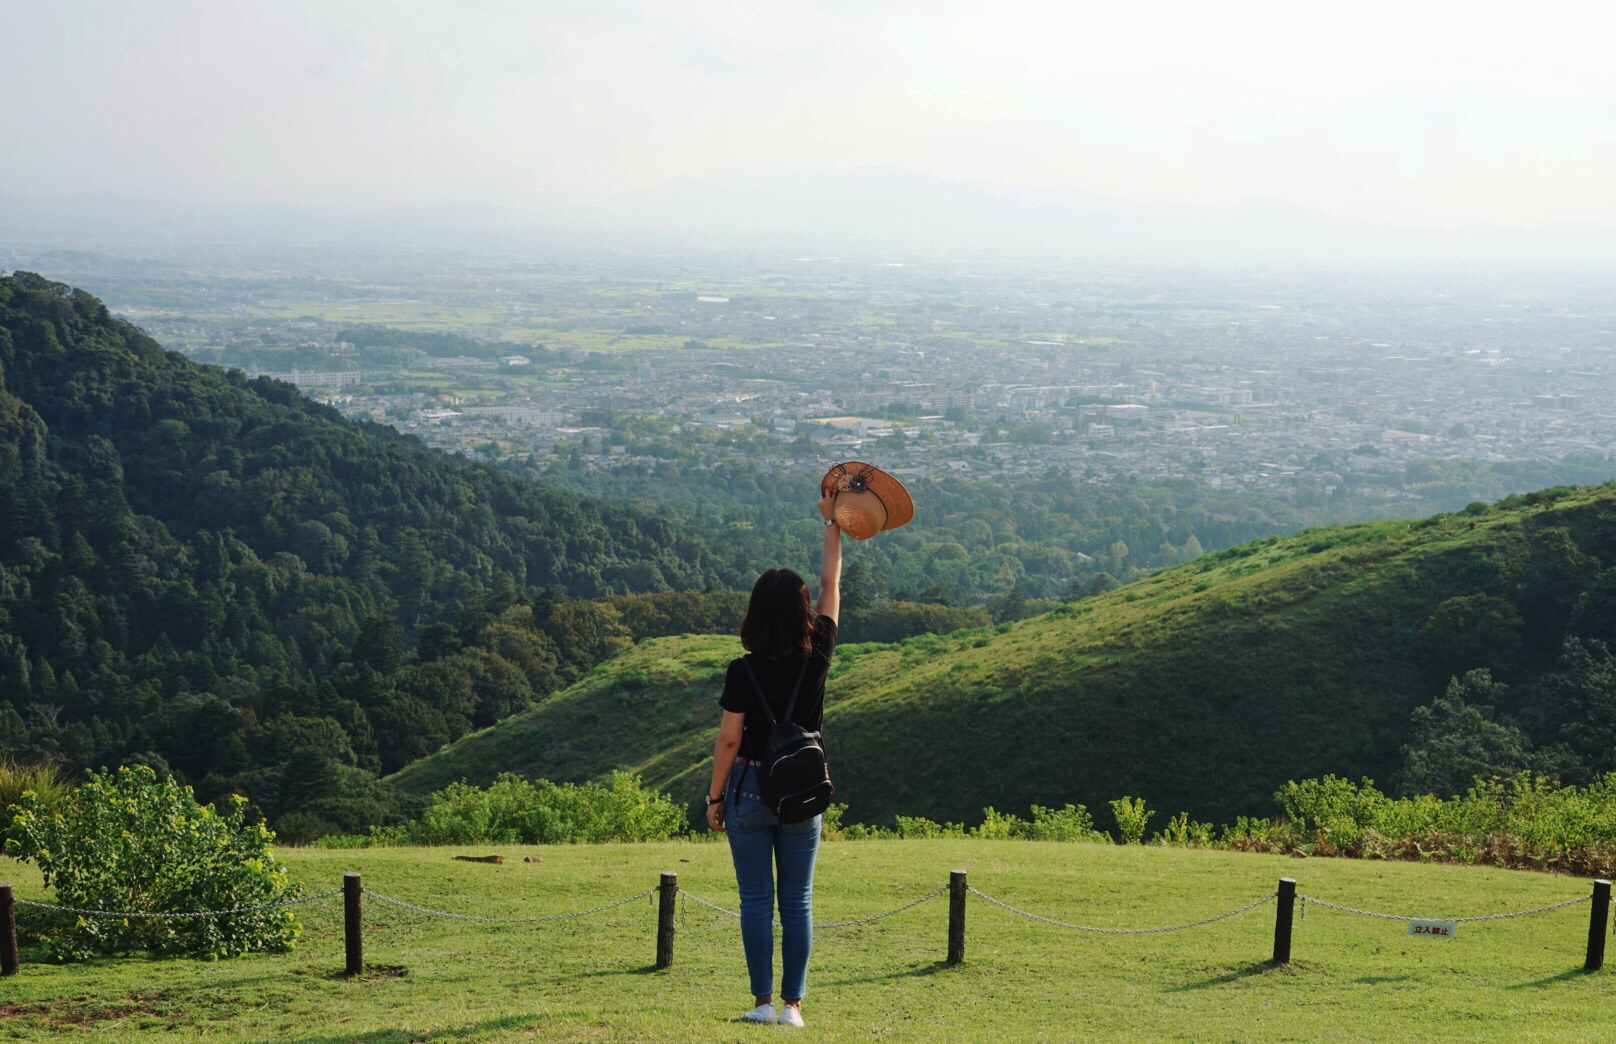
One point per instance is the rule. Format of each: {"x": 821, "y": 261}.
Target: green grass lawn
{"x": 591, "y": 979}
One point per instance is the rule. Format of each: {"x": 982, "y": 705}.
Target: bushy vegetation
{"x": 1523, "y": 821}
{"x": 1132, "y": 817}
{"x": 516, "y": 811}
{"x": 128, "y": 841}
{"x": 1520, "y": 821}
{"x": 1071, "y": 823}
{"x": 46, "y": 783}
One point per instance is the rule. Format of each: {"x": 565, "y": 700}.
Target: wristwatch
{"x": 719, "y": 800}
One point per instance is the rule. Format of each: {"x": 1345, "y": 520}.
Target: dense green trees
{"x": 970, "y": 540}
{"x": 221, "y": 578}
{"x": 1457, "y": 738}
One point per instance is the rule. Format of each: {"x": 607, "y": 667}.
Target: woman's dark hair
{"x": 779, "y": 620}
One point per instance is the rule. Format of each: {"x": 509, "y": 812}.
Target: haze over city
{"x": 1406, "y": 114}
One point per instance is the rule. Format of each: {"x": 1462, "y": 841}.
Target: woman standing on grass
{"x": 789, "y": 642}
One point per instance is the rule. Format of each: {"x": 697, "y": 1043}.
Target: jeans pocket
{"x": 807, "y": 826}
{"x": 747, "y": 809}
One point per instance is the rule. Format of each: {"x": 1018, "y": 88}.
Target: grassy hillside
{"x": 1353, "y": 978}
{"x": 1202, "y": 688}
{"x": 644, "y": 709}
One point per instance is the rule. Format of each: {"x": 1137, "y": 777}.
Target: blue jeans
{"x": 759, "y": 844}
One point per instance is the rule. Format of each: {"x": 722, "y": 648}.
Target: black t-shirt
{"x": 776, "y": 678}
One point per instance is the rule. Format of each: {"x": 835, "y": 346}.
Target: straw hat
{"x": 868, "y": 500}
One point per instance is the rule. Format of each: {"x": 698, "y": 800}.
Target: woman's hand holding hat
{"x": 865, "y": 500}
{"x": 827, "y": 508}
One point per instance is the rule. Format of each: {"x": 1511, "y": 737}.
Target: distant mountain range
{"x": 888, "y": 207}
{"x": 860, "y": 210}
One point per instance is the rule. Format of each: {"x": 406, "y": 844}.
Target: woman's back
{"x": 777, "y": 677}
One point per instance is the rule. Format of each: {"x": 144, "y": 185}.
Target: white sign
{"x": 1433, "y": 929}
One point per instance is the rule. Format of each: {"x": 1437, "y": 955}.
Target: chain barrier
{"x": 934, "y": 893}
{"x": 136, "y": 915}
{"x": 1456, "y": 920}
{"x": 508, "y": 920}
{"x": 1121, "y": 931}
{"x": 699, "y": 901}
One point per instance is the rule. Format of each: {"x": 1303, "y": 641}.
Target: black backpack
{"x": 794, "y": 776}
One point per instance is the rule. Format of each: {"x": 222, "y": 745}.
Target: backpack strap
{"x": 801, "y": 674}
{"x": 763, "y": 700}
{"x": 795, "y": 689}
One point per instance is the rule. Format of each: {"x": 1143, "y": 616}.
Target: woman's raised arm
{"x": 830, "y": 569}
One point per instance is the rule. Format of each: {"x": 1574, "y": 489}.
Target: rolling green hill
{"x": 1202, "y": 688}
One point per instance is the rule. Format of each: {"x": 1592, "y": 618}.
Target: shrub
{"x": 1070, "y": 823}
{"x": 126, "y": 840}
{"x": 1332, "y": 809}
{"x": 18, "y": 779}
{"x": 1249, "y": 834}
{"x": 1132, "y": 817}
{"x": 324, "y": 816}
{"x": 518, "y": 811}
{"x": 912, "y": 828}
{"x": 1185, "y": 832}
{"x": 1000, "y": 826}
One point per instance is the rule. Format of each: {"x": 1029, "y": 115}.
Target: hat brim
{"x": 900, "y": 507}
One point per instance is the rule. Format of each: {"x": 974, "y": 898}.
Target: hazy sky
{"x": 1427, "y": 113}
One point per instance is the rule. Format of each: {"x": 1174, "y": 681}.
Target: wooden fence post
{"x": 8, "y": 932}
{"x": 664, "y": 930}
{"x": 1598, "y": 917}
{"x": 956, "y": 916}
{"x": 353, "y": 924}
{"x": 1284, "y": 910}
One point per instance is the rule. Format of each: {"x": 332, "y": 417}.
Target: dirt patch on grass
{"x": 385, "y": 971}
{"x": 89, "y": 1011}
{"x": 373, "y": 972}
{"x": 76, "y": 1011}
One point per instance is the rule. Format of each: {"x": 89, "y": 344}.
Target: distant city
{"x": 1311, "y": 386}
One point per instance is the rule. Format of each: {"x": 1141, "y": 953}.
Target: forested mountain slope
{"x": 1202, "y": 688}
{"x": 198, "y": 448}
{"x": 219, "y": 576}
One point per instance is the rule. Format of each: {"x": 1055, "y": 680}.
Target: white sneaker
{"x": 790, "y": 1015}
{"x": 763, "y": 1013}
